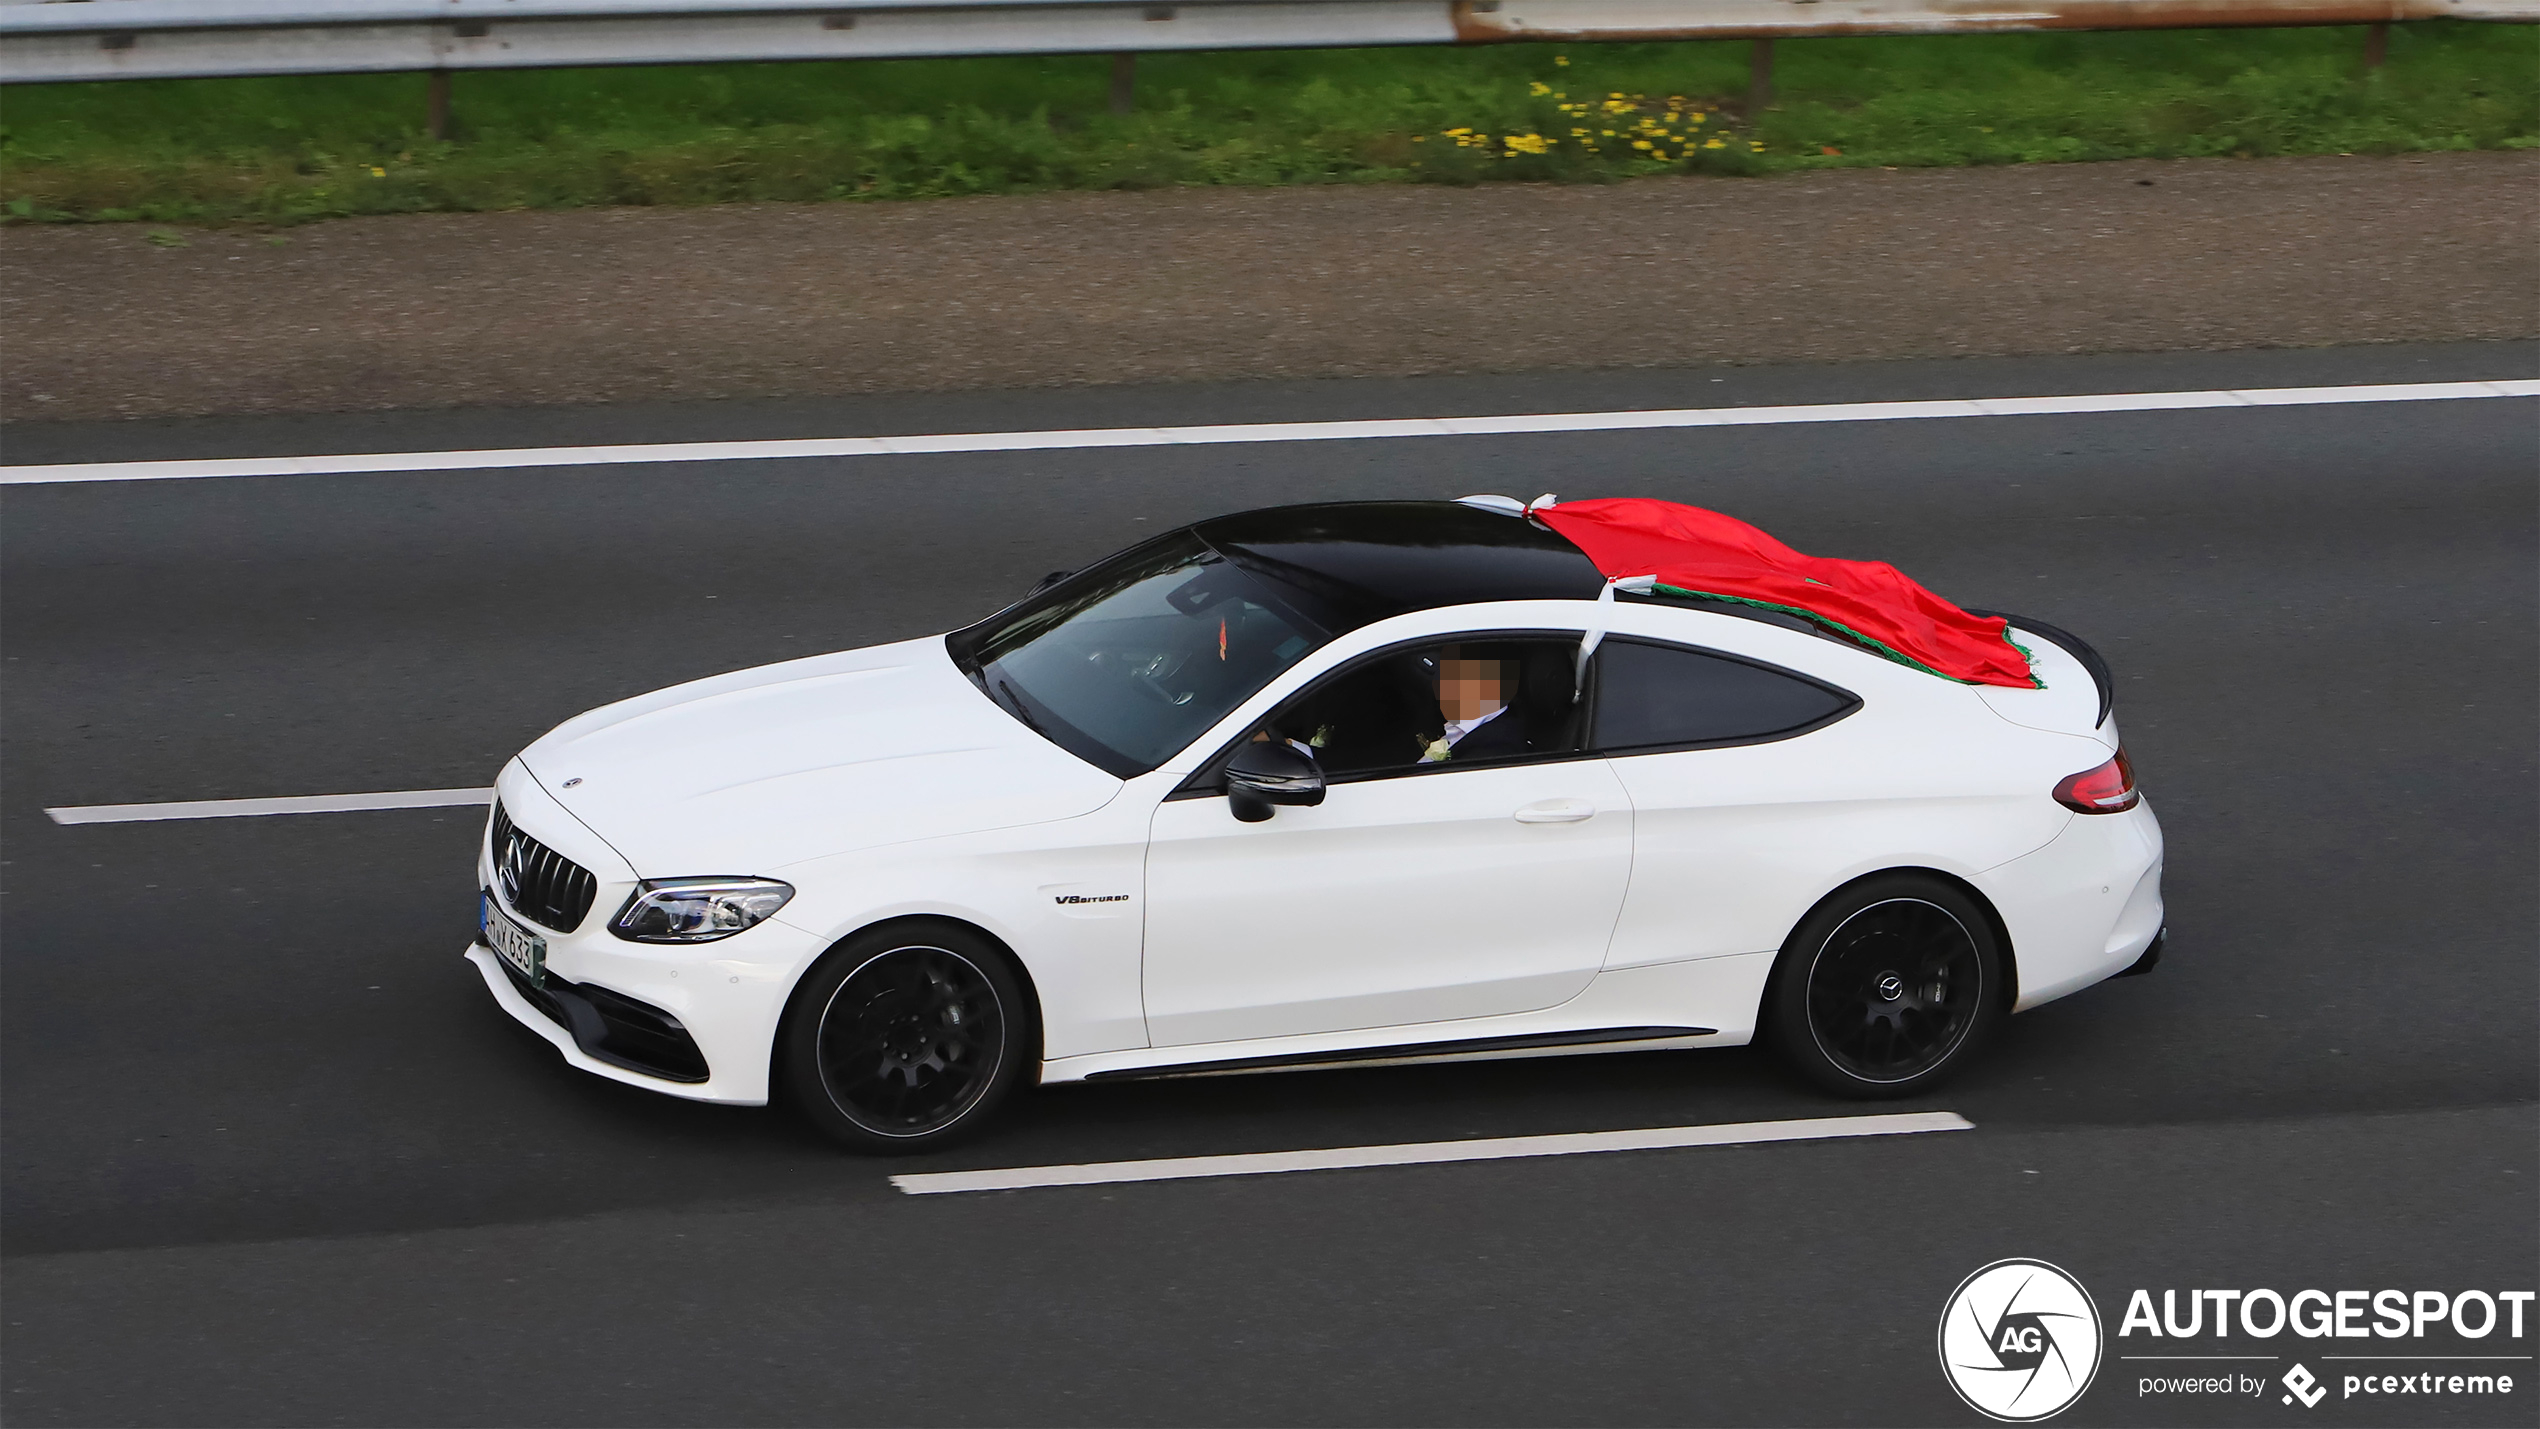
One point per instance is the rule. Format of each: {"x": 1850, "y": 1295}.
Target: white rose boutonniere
{"x": 1438, "y": 751}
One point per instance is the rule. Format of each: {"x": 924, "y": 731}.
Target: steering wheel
{"x": 1150, "y": 674}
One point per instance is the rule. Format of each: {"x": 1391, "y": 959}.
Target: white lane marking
{"x": 777, "y": 450}
{"x": 258, "y": 808}
{"x": 1268, "y": 1163}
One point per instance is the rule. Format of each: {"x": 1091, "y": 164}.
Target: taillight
{"x": 2108, "y": 789}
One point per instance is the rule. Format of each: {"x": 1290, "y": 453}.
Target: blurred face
{"x": 1470, "y": 689}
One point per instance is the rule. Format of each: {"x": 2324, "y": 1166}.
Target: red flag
{"x": 1698, "y": 552}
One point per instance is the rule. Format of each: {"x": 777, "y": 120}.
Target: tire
{"x": 906, "y": 1038}
{"x": 1887, "y": 987}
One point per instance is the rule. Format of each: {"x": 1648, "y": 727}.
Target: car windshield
{"x": 1125, "y": 663}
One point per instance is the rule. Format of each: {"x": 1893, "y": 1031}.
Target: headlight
{"x": 697, "y": 910}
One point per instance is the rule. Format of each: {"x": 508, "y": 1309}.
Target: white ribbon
{"x": 1597, "y": 621}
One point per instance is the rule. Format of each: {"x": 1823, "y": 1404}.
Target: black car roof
{"x": 1364, "y": 561}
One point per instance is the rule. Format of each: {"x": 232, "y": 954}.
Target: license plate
{"x": 514, "y": 944}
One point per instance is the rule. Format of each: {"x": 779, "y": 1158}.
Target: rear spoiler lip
{"x": 2073, "y": 645}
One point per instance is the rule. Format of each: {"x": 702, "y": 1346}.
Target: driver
{"x": 1450, "y": 702}
{"x": 1473, "y": 702}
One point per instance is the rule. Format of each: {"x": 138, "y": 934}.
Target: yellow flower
{"x": 1539, "y": 88}
{"x": 1561, "y": 59}
{"x": 377, "y": 172}
{"x": 1715, "y": 143}
{"x": 1640, "y": 143}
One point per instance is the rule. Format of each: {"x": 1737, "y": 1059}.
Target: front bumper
{"x": 594, "y": 1049}
{"x": 608, "y": 1027}
{"x": 726, "y": 996}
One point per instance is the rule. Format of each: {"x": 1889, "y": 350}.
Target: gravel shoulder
{"x": 540, "y": 308}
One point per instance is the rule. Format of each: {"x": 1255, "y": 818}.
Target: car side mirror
{"x": 1267, "y": 773}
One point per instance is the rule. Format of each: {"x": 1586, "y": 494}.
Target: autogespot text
{"x": 2468, "y": 1343}
{"x": 2325, "y": 1314}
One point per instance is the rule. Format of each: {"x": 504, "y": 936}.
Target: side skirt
{"x": 1540, "y": 1044}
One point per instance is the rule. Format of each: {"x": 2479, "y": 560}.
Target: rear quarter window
{"x": 1652, "y": 696}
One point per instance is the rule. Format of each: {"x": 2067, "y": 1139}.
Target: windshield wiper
{"x": 1058, "y": 731}
{"x": 1014, "y": 704}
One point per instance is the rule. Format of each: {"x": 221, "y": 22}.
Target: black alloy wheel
{"x": 1887, "y": 987}
{"x": 906, "y": 1041}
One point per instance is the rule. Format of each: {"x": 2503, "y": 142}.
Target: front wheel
{"x": 907, "y": 1038}
{"x": 1887, "y": 987}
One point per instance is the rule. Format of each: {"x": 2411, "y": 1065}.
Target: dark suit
{"x": 1504, "y": 736}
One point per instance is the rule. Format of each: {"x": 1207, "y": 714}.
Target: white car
{"x": 1350, "y": 783}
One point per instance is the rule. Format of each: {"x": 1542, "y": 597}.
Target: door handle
{"x": 1557, "y": 811}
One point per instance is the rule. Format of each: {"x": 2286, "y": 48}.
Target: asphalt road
{"x": 272, "y": 1156}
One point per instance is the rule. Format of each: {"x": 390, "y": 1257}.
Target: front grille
{"x": 616, "y": 1028}
{"x": 539, "y": 883}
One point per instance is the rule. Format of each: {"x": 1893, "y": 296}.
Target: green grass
{"x": 284, "y": 150}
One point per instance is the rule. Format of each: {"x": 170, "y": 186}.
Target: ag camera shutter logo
{"x": 2019, "y": 1341}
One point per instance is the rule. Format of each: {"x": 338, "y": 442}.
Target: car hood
{"x": 748, "y": 772}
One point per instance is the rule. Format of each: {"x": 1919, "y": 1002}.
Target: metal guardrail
{"x": 118, "y": 39}
{"x": 157, "y": 39}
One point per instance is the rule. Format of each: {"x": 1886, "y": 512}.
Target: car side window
{"x": 1651, "y": 696}
{"x": 1456, "y": 703}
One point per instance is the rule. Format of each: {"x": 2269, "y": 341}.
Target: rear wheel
{"x": 1887, "y": 987}
{"x": 907, "y": 1038}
